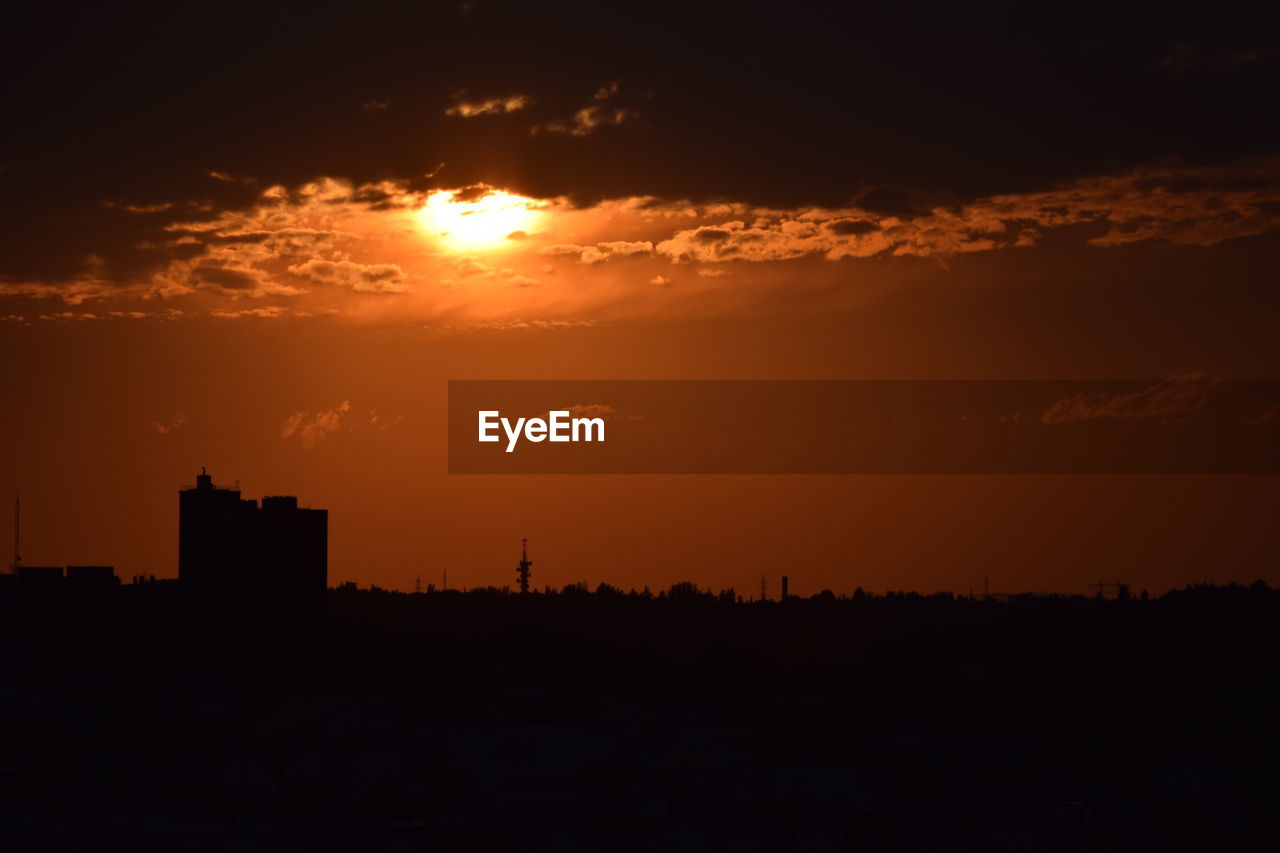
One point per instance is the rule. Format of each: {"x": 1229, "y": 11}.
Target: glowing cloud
{"x": 465, "y": 219}
{"x": 492, "y": 106}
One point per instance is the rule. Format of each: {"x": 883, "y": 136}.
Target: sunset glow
{"x": 478, "y": 222}
{"x": 281, "y": 283}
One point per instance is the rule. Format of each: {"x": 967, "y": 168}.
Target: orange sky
{"x": 272, "y": 265}
{"x": 349, "y": 413}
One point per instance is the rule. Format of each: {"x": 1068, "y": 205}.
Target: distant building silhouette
{"x": 257, "y": 572}
{"x": 91, "y": 575}
{"x": 39, "y": 576}
{"x": 52, "y": 617}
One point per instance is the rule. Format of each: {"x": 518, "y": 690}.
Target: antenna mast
{"x": 17, "y": 531}
{"x": 523, "y": 569}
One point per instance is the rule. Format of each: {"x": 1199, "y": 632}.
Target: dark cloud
{"x": 710, "y": 235}
{"x": 901, "y": 201}
{"x": 1229, "y": 180}
{"x": 240, "y": 282}
{"x": 851, "y": 227}
{"x": 374, "y": 198}
{"x": 241, "y": 237}
{"x": 361, "y": 278}
{"x": 125, "y": 104}
{"x": 227, "y": 279}
{"x": 1187, "y": 58}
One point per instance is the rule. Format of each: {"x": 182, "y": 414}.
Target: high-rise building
{"x": 217, "y": 539}
{"x": 293, "y": 559}
{"x": 259, "y": 572}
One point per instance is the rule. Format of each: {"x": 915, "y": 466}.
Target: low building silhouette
{"x": 87, "y": 576}
{"x": 39, "y": 576}
{"x": 54, "y": 617}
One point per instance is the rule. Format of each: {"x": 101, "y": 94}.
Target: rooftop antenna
{"x": 523, "y": 569}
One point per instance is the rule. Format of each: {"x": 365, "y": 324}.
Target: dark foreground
{"x": 488, "y": 722}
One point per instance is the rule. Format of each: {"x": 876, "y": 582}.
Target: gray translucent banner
{"x": 864, "y": 427}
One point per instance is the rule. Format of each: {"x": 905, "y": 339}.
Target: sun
{"x": 477, "y": 222}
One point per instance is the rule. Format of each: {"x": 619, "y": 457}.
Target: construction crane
{"x": 523, "y": 569}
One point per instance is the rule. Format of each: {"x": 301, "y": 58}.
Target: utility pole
{"x": 17, "y": 531}
{"x": 417, "y": 585}
{"x": 522, "y": 571}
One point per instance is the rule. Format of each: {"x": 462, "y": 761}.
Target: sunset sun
{"x": 477, "y": 222}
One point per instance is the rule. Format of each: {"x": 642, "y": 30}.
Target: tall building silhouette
{"x": 217, "y": 533}
{"x": 258, "y": 573}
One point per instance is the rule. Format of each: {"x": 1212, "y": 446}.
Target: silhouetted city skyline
{"x": 240, "y": 556}
{"x": 359, "y": 718}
